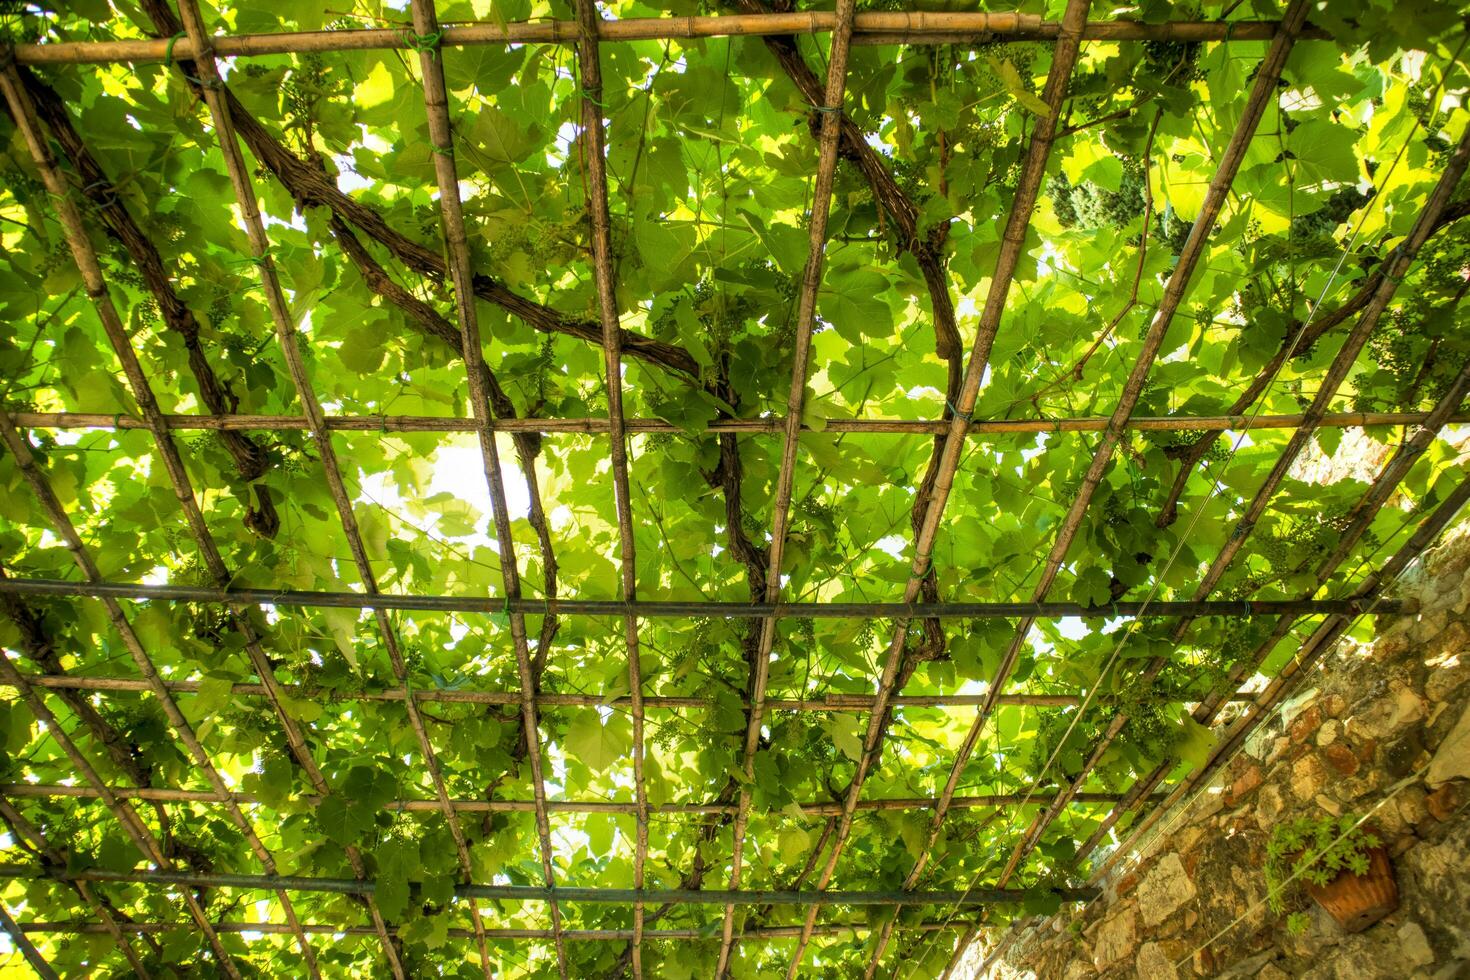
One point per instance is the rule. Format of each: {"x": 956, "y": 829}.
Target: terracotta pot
{"x": 1358, "y": 901}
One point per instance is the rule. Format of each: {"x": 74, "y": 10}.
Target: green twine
{"x": 1135, "y": 477}
{"x": 104, "y": 199}
{"x": 443, "y": 151}
{"x": 1388, "y": 264}
{"x": 587, "y": 94}
{"x": 213, "y": 84}
{"x": 967, "y": 416}
{"x": 828, "y": 109}
{"x": 502, "y": 618}
{"x": 424, "y": 43}
{"x": 258, "y": 261}
{"x": 168, "y": 52}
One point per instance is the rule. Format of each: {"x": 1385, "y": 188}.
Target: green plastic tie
{"x": 828, "y": 109}
{"x": 967, "y": 416}
{"x": 425, "y": 43}
{"x": 587, "y": 94}
{"x": 168, "y": 52}
{"x": 502, "y": 618}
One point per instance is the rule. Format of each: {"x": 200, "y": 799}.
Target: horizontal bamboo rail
{"x": 761, "y": 426}
{"x": 166, "y": 795}
{"x": 873, "y": 27}
{"x": 682, "y": 610}
{"x": 582, "y": 935}
{"x": 561, "y": 893}
{"x": 827, "y": 702}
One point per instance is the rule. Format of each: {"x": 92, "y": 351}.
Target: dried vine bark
{"x": 251, "y": 459}
{"x": 310, "y": 186}
{"x": 927, "y": 248}
{"x": 28, "y": 837}
{"x": 430, "y": 323}
{"x": 38, "y": 646}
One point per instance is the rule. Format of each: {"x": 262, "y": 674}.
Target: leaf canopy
{"x": 711, "y": 158}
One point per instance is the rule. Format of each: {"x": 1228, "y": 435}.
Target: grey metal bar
{"x": 646, "y": 609}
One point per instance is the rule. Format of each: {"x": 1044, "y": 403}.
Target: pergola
{"x": 930, "y": 907}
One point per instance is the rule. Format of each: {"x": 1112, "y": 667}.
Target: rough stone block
{"x": 1452, "y": 758}
{"x": 1414, "y": 945}
{"x": 1308, "y": 776}
{"x": 1163, "y": 890}
{"x": 1115, "y": 939}
{"x": 1305, "y": 725}
{"x": 1443, "y": 802}
{"x": 1388, "y": 715}
{"x": 1341, "y": 759}
{"x": 1153, "y": 964}
{"x": 1245, "y": 784}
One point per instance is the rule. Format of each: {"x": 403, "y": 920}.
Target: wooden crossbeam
{"x": 871, "y": 27}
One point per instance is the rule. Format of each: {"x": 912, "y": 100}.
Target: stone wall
{"x": 1385, "y": 727}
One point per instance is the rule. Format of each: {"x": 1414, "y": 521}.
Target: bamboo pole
{"x": 427, "y": 39}
{"x": 56, "y": 515}
{"x": 23, "y": 829}
{"x": 137, "y": 831}
{"x": 1316, "y": 646}
{"x": 1192, "y": 251}
{"x": 1372, "y": 501}
{"x": 288, "y": 340}
{"x": 85, "y": 257}
{"x": 659, "y": 609}
{"x": 762, "y": 426}
{"x": 1028, "y": 186}
{"x": 871, "y": 27}
{"x": 28, "y": 949}
{"x": 1388, "y": 479}
{"x": 1362, "y": 515}
{"x": 825, "y": 703}
{"x": 50, "y": 791}
{"x": 806, "y": 314}
{"x": 594, "y": 159}
{"x": 561, "y": 893}
{"x": 1263, "y": 93}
